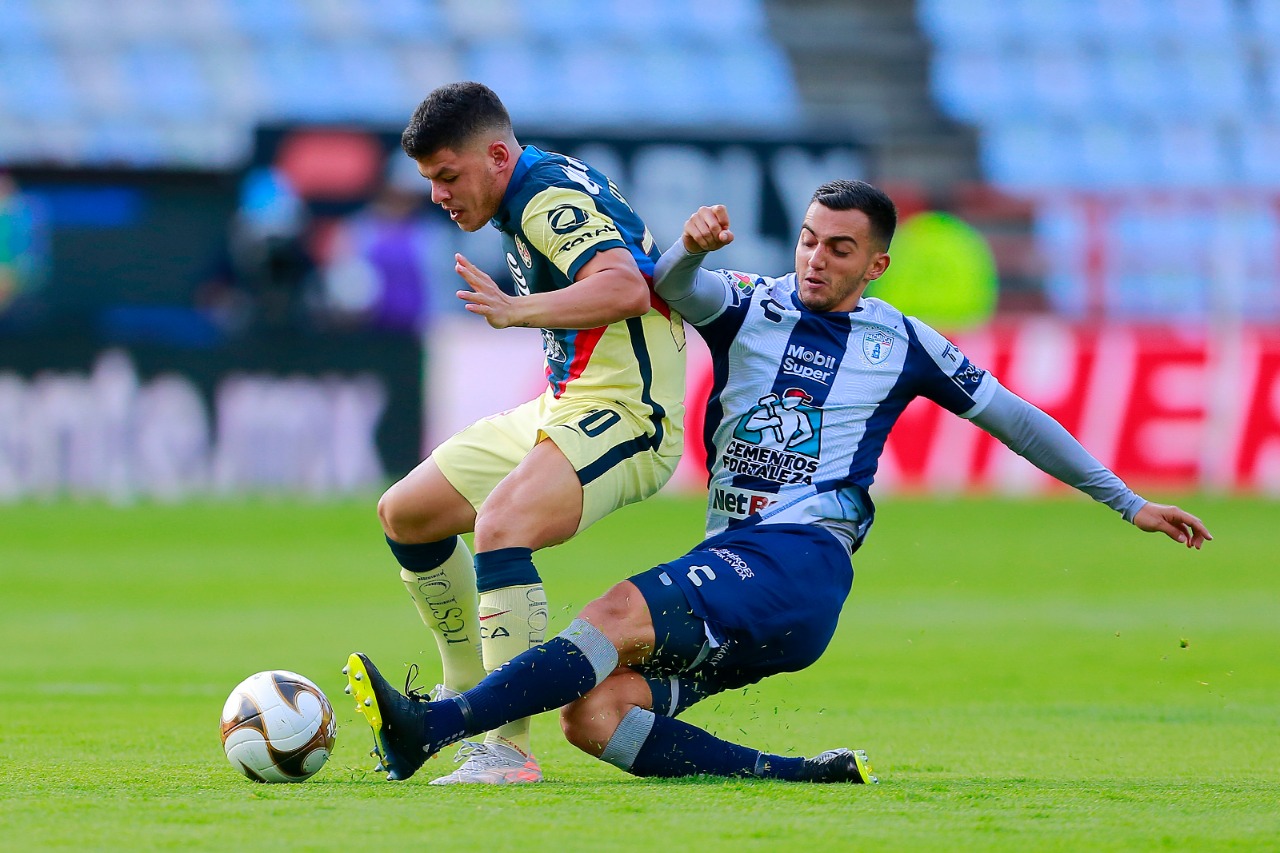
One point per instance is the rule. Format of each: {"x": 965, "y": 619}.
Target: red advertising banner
{"x": 1165, "y": 407}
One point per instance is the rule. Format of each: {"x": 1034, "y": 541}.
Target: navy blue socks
{"x": 563, "y": 669}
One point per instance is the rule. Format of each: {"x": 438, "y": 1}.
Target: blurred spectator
{"x": 23, "y": 246}
{"x": 381, "y": 268}
{"x": 262, "y": 278}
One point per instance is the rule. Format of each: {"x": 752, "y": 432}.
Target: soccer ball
{"x": 278, "y": 727}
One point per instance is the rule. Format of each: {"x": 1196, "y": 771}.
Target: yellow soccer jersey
{"x": 557, "y": 213}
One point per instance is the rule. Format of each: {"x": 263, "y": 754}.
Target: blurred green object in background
{"x": 943, "y": 272}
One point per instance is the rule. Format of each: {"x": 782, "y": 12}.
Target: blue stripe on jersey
{"x": 814, "y": 352}
{"x": 918, "y": 364}
{"x": 813, "y": 355}
{"x": 639, "y": 444}
{"x": 640, "y": 348}
{"x": 719, "y": 334}
{"x": 560, "y": 369}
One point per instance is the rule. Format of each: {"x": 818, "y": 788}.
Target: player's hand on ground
{"x": 485, "y": 297}
{"x": 1178, "y": 524}
{"x": 707, "y": 230}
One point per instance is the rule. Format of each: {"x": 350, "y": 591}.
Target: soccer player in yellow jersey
{"x": 606, "y": 432}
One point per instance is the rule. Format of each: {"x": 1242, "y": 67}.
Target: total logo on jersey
{"x": 586, "y": 237}
{"x": 778, "y": 440}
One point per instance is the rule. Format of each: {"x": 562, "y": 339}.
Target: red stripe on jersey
{"x": 584, "y": 344}
{"x": 656, "y": 302}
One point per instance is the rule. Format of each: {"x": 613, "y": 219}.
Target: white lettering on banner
{"x": 109, "y": 435}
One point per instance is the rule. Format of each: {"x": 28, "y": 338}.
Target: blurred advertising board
{"x": 322, "y": 415}
{"x": 1165, "y": 407}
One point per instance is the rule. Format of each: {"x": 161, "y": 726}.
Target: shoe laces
{"x": 414, "y": 693}
{"x": 469, "y": 749}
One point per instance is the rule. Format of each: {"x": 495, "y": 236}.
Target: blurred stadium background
{"x": 219, "y": 276}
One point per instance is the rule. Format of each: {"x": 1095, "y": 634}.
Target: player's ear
{"x": 878, "y": 266}
{"x": 499, "y": 153}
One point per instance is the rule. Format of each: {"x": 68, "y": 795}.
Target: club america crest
{"x": 524, "y": 252}
{"x": 876, "y": 345}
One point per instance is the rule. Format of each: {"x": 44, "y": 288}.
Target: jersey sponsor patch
{"x": 739, "y": 503}
{"x": 778, "y": 440}
{"x": 588, "y": 235}
{"x": 969, "y": 377}
{"x": 566, "y": 218}
{"x": 808, "y": 363}
{"x": 738, "y": 564}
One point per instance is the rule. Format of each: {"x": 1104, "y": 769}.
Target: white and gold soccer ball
{"x": 278, "y": 727}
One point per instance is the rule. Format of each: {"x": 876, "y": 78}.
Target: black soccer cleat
{"x": 839, "y": 765}
{"x": 398, "y": 722}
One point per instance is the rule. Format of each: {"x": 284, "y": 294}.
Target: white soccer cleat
{"x": 492, "y": 764}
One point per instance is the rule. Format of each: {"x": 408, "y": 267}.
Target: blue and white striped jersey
{"x": 802, "y": 402}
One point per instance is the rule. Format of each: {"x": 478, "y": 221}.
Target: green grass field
{"x": 1026, "y": 675}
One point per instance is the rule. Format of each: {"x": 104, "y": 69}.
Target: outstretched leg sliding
{"x": 408, "y": 730}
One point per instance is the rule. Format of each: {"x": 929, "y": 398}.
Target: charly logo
{"x": 517, "y": 275}
{"x": 779, "y": 440}
{"x": 566, "y": 218}
{"x": 524, "y": 252}
{"x": 876, "y": 345}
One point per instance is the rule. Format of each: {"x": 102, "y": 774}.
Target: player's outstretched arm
{"x": 614, "y": 290}
{"x": 1174, "y": 522}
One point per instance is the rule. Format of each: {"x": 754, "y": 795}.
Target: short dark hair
{"x": 860, "y": 195}
{"x": 452, "y": 116}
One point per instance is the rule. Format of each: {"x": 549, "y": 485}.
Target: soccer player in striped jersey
{"x": 606, "y": 432}
{"x": 809, "y": 380}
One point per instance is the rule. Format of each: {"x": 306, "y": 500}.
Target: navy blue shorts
{"x": 743, "y": 605}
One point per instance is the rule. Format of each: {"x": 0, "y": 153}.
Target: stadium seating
{"x": 136, "y": 82}
{"x": 1129, "y": 108}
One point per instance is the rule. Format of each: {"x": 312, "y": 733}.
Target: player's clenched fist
{"x": 708, "y": 229}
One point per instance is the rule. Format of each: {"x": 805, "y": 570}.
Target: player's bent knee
{"x": 503, "y": 524}
{"x": 622, "y": 615}
{"x": 589, "y": 722}
{"x": 386, "y": 517}
{"x": 423, "y": 509}
{"x": 399, "y": 521}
